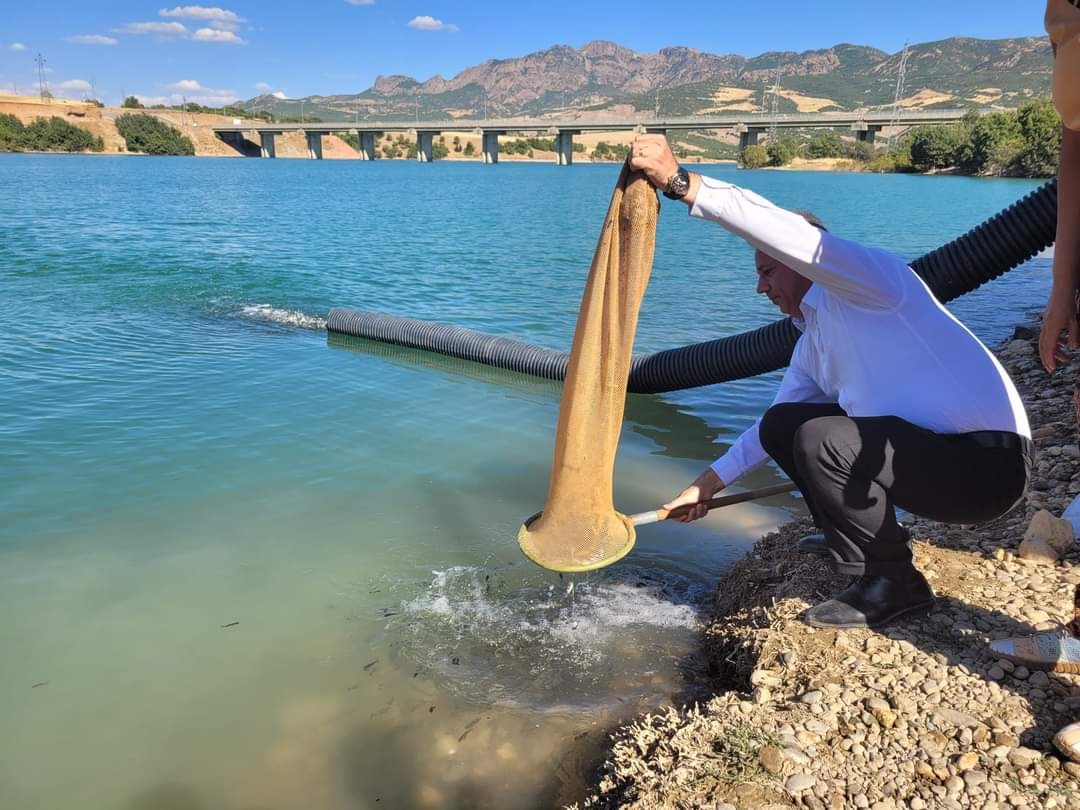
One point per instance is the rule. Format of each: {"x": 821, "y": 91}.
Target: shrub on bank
{"x": 1019, "y": 143}
{"x": 145, "y": 133}
{"x": 754, "y": 157}
{"x": 610, "y": 151}
{"x": 45, "y": 135}
{"x": 1040, "y": 128}
{"x": 782, "y": 151}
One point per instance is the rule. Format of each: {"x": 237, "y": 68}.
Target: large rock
{"x": 1047, "y": 538}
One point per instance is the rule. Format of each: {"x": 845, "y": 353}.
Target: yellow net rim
{"x": 530, "y": 551}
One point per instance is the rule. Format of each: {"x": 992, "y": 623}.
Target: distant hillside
{"x": 603, "y": 77}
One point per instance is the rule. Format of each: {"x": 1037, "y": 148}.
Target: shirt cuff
{"x": 727, "y": 469}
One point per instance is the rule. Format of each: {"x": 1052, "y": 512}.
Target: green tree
{"x": 145, "y": 133}
{"x": 782, "y": 151}
{"x": 12, "y": 133}
{"x": 132, "y": 103}
{"x": 46, "y": 135}
{"x": 1040, "y": 128}
{"x": 936, "y": 147}
{"x": 439, "y": 150}
{"x": 754, "y": 157}
{"x": 470, "y": 150}
{"x": 993, "y": 145}
{"x": 859, "y": 150}
{"x": 825, "y": 144}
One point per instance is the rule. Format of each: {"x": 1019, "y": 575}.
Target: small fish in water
{"x": 230, "y": 624}
{"x": 369, "y": 666}
{"x": 468, "y": 728}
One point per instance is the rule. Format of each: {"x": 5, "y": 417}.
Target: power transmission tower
{"x": 43, "y": 86}
{"x": 774, "y": 107}
{"x": 894, "y": 119}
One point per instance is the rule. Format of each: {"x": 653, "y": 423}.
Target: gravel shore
{"x": 918, "y": 715}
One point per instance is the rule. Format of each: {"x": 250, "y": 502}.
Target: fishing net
{"x": 579, "y": 529}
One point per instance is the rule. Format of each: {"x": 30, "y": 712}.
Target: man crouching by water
{"x": 889, "y": 400}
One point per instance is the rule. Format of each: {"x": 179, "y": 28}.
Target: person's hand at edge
{"x": 702, "y": 488}
{"x": 1060, "y": 316}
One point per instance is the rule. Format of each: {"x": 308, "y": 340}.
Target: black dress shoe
{"x": 872, "y": 601}
{"x": 815, "y": 544}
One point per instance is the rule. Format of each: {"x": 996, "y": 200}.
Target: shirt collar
{"x": 808, "y": 307}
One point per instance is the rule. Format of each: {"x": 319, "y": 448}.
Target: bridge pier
{"x": 267, "y": 144}
{"x": 865, "y": 132}
{"x": 564, "y": 146}
{"x": 490, "y": 139}
{"x": 367, "y": 146}
{"x": 423, "y": 147}
{"x": 748, "y": 136}
{"x": 314, "y": 145}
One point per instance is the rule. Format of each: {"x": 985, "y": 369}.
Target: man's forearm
{"x": 1067, "y": 242}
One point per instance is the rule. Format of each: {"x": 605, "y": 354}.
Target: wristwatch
{"x": 678, "y": 185}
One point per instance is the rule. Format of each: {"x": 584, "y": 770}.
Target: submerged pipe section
{"x": 1006, "y": 240}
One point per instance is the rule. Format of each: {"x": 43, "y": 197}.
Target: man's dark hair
{"x": 812, "y": 218}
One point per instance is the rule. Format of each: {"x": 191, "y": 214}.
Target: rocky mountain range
{"x": 606, "y": 78}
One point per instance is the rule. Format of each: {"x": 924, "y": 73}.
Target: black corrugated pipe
{"x": 1006, "y": 240}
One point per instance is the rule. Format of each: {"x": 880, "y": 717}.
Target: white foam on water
{"x": 288, "y": 317}
{"x": 527, "y": 641}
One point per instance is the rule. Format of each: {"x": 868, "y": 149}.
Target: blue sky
{"x": 216, "y": 54}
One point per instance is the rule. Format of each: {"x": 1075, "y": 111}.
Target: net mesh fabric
{"x": 579, "y": 529}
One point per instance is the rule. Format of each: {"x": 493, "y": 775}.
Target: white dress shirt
{"x": 875, "y": 339}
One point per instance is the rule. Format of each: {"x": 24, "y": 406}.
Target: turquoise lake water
{"x": 243, "y": 565}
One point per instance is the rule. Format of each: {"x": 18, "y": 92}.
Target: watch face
{"x": 678, "y": 185}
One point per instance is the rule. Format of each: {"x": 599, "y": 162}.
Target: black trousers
{"x": 855, "y": 471}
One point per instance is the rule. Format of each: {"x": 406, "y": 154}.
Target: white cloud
{"x": 360, "y": 2}
{"x": 91, "y": 39}
{"x": 279, "y": 94}
{"x": 216, "y": 35}
{"x": 427, "y": 23}
{"x": 72, "y": 88}
{"x": 191, "y": 91}
{"x": 221, "y": 15}
{"x": 166, "y": 28}
{"x": 17, "y": 46}
{"x": 262, "y": 87}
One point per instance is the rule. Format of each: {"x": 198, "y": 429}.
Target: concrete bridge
{"x": 749, "y": 126}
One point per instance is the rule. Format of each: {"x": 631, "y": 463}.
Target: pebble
{"x": 799, "y": 782}
{"x": 1024, "y": 757}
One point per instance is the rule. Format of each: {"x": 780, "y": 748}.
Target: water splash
{"x": 287, "y": 317}
{"x": 501, "y": 638}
